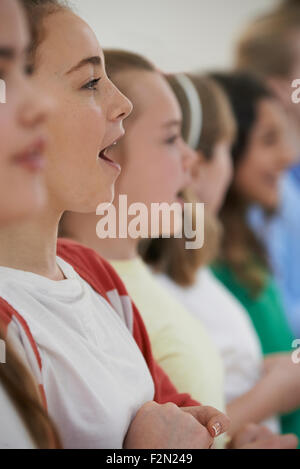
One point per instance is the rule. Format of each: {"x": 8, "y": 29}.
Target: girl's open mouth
{"x": 103, "y": 156}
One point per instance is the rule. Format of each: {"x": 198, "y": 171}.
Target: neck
{"x": 82, "y": 228}
{"x": 31, "y": 246}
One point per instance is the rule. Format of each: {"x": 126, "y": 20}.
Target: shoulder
{"x": 79, "y": 255}
{"x": 90, "y": 265}
{"x": 223, "y": 272}
{"x": 100, "y": 275}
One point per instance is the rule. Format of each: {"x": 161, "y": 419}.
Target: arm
{"x": 254, "y": 436}
{"x": 277, "y": 392}
{"x": 255, "y": 406}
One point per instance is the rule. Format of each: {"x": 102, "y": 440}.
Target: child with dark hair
{"x": 269, "y": 48}
{"x": 260, "y": 154}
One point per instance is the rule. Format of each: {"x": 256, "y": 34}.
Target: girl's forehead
{"x": 72, "y": 37}
{"x": 13, "y": 29}
{"x": 150, "y": 94}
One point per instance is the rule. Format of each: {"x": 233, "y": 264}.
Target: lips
{"x": 32, "y": 158}
{"x": 103, "y": 155}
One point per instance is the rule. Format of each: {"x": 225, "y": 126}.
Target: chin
{"x": 104, "y": 196}
{"x": 31, "y": 202}
{"x": 110, "y": 197}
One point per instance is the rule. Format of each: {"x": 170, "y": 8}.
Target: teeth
{"x": 103, "y": 152}
{"x": 111, "y": 146}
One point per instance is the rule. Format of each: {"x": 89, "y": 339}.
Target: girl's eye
{"x": 91, "y": 85}
{"x": 172, "y": 140}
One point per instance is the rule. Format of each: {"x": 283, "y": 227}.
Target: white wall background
{"x": 177, "y": 35}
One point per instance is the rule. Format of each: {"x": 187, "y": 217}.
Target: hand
{"x": 275, "y": 442}
{"x": 254, "y": 436}
{"x": 169, "y": 427}
{"x": 215, "y": 421}
{"x": 285, "y": 376}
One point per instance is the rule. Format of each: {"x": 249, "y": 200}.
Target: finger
{"x": 215, "y": 421}
{"x": 245, "y": 436}
{"x": 250, "y": 433}
{"x": 285, "y": 442}
{"x": 275, "y": 442}
{"x": 263, "y": 432}
{"x": 206, "y": 439}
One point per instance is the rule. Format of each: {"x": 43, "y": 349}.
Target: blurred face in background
{"x": 155, "y": 160}
{"x": 211, "y": 177}
{"x": 282, "y": 88}
{"x": 22, "y": 120}
{"x": 267, "y": 156}
{"x": 281, "y": 85}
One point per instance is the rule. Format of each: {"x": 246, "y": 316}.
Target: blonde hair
{"x": 169, "y": 255}
{"x": 23, "y": 391}
{"x": 36, "y": 12}
{"x": 180, "y": 264}
{"x": 218, "y": 122}
{"x": 266, "y": 47}
{"x": 118, "y": 60}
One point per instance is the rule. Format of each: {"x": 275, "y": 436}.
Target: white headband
{"x": 195, "y": 108}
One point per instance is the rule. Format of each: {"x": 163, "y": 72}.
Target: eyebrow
{"x": 7, "y": 53}
{"x": 96, "y": 60}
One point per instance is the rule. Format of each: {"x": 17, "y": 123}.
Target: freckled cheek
{"x": 171, "y": 167}
{"x": 84, "y": 128}
{"x": 172, "y": 181}
{"x": 92, "y": 127}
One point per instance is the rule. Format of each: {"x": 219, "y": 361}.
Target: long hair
{"x": 23, "y": 392}
{"x": 241, "y": 249}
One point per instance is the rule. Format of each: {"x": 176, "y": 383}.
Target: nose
{"x": 36, "y": 106}
{"x": 122, "y": 106}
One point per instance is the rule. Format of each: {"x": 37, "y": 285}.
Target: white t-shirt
{"x": 13, "y": 433}
{"x": 230, "y": 327}
{"x": 93, "y": 373}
